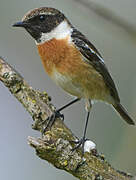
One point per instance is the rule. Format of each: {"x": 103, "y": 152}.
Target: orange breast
{"x": 57, "y": 54}
{"x": 61, "y": 56}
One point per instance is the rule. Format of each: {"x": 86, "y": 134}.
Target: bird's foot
{"x": 87, "y": 146}
{"x": 51, "y": 119}
{"x": 80, "y": 143}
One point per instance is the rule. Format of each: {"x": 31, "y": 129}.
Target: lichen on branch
{"x": 56, "y": 145}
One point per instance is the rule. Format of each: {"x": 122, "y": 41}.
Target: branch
{"x": 55, "y": 146}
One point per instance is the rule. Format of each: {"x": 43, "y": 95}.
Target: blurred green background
{"x": 113, "y": 137}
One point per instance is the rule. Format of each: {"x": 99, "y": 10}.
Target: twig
{"x": 55, "y": 146}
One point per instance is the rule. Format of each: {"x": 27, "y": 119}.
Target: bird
{"x": 72, "y": 62}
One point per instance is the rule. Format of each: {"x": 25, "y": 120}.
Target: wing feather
{"x": 93, "y": 57}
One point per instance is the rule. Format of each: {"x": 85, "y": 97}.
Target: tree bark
{"x": 56, "y": 145}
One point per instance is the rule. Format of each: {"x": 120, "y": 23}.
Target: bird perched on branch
{"x": 72, "y": 61}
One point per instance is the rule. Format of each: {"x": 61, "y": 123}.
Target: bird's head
{"x": 45, "y": 23}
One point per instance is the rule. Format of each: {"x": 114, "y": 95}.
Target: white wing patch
{"x": 92, "y": 51}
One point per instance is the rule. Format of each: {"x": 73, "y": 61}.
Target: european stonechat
{"x": 72, "y": 61}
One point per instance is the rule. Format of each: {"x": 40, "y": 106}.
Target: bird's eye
{"x": 42, "y": 17}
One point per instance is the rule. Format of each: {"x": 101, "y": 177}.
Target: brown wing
{"x": 93, "y": 57}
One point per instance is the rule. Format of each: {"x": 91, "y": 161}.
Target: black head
{"x": 41, "y": 20}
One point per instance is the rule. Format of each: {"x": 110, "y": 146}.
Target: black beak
{"x": 21, "y": 24}
{"x": 33, "y": 30}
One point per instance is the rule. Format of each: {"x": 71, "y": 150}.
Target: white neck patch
{"x": 60, "y": 32}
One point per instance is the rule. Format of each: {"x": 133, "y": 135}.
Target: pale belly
{"x": 90, "y": 89}
{"x": 66, "y": 83}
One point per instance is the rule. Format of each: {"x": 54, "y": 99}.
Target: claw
{"x": 80, "y": 143}
{"x": 51, "y": 120}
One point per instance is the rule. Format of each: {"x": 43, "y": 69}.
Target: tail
{"x": 123, "y": 113}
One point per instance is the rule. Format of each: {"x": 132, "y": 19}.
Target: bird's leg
{"x": 67, "y": 105}
{"x": 81, "y": 142}
{"x": 57, "y": 114}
